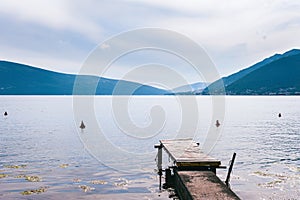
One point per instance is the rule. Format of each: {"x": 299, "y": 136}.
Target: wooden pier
{"x": 192, "y": 173}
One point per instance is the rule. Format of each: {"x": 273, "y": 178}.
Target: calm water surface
{"x": 41, "y": 137}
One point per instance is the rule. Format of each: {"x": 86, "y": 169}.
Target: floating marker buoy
{"x": 279, "y": 115}
{"x": 82, "y": 126}
{"x": 5, "y": 113}
{"x": 217, "y": 123}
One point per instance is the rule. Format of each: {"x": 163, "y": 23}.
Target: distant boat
{"x": 82, "y": 126}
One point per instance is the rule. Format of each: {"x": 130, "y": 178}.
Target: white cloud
{"x": 235, "y": 33}
{"x": 55, "y": 14}
{"x": 221, "y": 27}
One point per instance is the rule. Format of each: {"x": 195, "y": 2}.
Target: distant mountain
{"x": 277, "y": 75}
{"x": 19, "y": 79}
{"x": 191, "y": 89}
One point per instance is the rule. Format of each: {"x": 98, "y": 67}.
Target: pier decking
{"x": 194, "y": 172}
{"x": 187, "y": 153}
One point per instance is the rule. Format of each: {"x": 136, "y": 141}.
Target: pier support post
{"x": 169, "y": 183}
{"x": 159, "y": 162}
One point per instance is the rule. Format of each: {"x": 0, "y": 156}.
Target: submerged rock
{"x": 99, "y": 182}
{"x": 86, "y": 188}
{"x": 76, "y": 180}
{"x": 121, "y": 182}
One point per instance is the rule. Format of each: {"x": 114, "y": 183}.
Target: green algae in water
{"x": 33, "y": 178}
{"x": 64, "y": 165}
{"x": 20, "y": 176}
{"x": 15, "y": 166}
{"x": 34, "y": 191}
{"x": 259, "y": 173}
{"x": 3, "y": 175}
{"x": 271, "y": 184}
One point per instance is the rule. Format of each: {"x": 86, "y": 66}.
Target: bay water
{"x": 40, "y": 137}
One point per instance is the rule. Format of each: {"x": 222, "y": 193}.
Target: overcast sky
{"x": 59, "y": 34}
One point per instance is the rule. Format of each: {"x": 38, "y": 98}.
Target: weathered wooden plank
{"x": 186, "y": 152}
{"x": 202, "y": 185}
{"x": 198, "y": 164}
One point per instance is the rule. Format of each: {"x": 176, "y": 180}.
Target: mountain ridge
{"x": 216, "y": 87}
{"x": 279, "y": 81}
{"x": 267, "y": 77}
{"x": 20, "y": 79}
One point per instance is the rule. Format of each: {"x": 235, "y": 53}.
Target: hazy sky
{"x": 60, "y": 34}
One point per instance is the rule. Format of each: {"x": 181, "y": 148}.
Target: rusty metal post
{"x": 230, "y": 169}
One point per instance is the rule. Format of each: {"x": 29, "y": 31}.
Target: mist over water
{"x": 40, "y": 134}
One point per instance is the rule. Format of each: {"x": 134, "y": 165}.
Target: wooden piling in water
{"x": 193, "y": 173}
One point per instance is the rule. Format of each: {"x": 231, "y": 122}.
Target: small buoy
{"x": 5, "y": 113}
{"x": 82, "y": 126}
{"x": 217, "y": 123}
{"x": 279, "y": 115}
